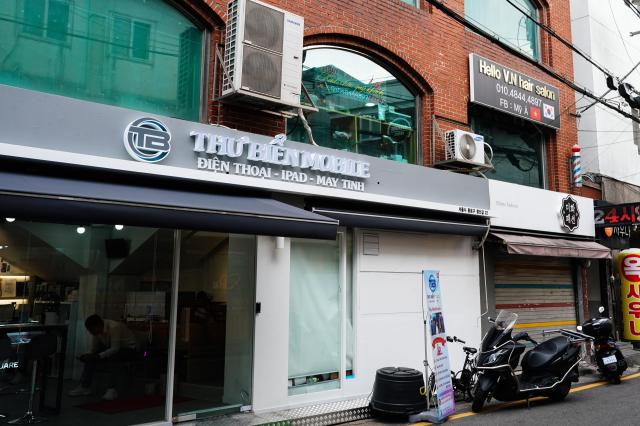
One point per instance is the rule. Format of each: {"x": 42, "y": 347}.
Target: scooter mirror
{"x": 601, "y": 309}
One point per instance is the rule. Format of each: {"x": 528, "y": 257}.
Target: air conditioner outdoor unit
{"x": 465, "y": 147}
{"x": 263, "y": 54}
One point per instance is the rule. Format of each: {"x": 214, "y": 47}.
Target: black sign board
{"x": 498, "y": 87}
{"x": 615, "y": 237}
{"x": 617, "y": 215}
{"x": 569, "y": 213}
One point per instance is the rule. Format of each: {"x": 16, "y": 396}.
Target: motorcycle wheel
{"x": 615, "y": 379}
{"x": 561, "y": 392}
{"x": 479, "y": 397}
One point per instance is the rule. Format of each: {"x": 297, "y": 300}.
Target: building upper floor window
{"x": 411, "y": 2}
{"x": 518, "y": 147}
{"x": 138, "y": 54}
{"x": 47, "y": 18}
{"x": 506, "y": 22}
{"x": 363, "y": 107}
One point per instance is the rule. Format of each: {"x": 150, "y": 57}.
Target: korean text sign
{"x": 628, "y": 264}
{"x": 438, "y": 342}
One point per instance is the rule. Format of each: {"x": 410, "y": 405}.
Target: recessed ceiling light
{"x": 119, "y": 227}
{"x": 369, "y": 104}
{"x": 80, "y": 230}
{"x": 10, "y": 219}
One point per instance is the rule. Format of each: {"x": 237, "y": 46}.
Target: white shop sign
{"x": 525, "y": 208}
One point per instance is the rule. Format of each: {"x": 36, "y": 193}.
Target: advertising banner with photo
{"x": 438, "y": 342}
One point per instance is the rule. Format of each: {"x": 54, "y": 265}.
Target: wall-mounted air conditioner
{"x": 263, "y": 54}
{"x": 465, "y": 147}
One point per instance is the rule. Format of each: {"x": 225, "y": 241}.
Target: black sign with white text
{"x": 617, "y": 215}
{"x": 510, "y": 91}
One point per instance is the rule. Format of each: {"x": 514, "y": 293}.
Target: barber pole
{"x": 576, "y": 166}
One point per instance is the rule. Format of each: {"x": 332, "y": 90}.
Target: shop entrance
{"x": 214, "y": 340}
{"x": 89, "y": 310}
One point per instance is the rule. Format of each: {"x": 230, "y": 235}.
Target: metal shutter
{"x": 539, "y": 289}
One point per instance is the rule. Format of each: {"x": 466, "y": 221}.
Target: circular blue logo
{"x": 433, "y": 284}
{"x": 147, "y": 140}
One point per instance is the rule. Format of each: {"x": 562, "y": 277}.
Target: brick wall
{"x": 430, "y": 50}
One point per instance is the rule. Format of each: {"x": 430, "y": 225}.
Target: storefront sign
{"x": 628, "y": 264}
{"x": 6, "y": 365}
{"x": 439, "y": 350}
{"x": 618, "y": 215}
{"x": 105, "y": 137}
{"x": 526, "y": 208}
{"x": 147, "y": 140}
{"x": 569, "y": 213}
{"x": 255, "y": 159}
{"x": 510, "y": 91}
{"x": 615, "y": 237}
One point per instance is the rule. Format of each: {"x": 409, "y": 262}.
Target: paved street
{"x": 594, "y": 403}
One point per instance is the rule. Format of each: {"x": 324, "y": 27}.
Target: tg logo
{"x": 147, "y": 140}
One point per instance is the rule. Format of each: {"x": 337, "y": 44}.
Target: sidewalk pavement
{"x": 356, "y": 411}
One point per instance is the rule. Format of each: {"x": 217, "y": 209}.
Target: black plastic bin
{"x": 398, "y": 391}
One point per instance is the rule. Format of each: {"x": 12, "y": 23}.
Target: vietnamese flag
{"x": 534, "y": 113}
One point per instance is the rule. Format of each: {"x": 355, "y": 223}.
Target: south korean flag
{"x": 549, "y": 111}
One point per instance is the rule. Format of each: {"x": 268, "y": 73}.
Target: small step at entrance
{"x": 313, "y": 415}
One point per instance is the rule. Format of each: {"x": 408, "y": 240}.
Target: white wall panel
{"x": 271, "y": 350}
{"x": 389, "y": 289}
{"x": 389, "y": 326}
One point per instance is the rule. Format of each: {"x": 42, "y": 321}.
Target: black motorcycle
{"x": 610, "y": 361}
{"x": 547, "y": 370}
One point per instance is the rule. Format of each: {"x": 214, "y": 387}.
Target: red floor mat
{"x": 122, "y": 405}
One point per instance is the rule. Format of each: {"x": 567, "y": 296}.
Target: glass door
{"x": 215, "y": 322}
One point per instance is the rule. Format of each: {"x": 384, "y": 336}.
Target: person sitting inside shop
{"x": 113, "y": 345}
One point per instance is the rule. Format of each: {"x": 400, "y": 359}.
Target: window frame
{"x": 400, "y": 77}
{"x": 538, "y": 40}
{"x": 115, "y": 15}
{"x": 416, "y": 3}
{"x": 44, "y": 37}
{"x": 474, "y": 112}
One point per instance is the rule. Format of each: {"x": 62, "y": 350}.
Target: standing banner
{"x": 628, "y": 264}
{"x": 440, "y": 353}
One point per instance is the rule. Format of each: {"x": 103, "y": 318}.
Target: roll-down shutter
{"x": 540, "y": 290}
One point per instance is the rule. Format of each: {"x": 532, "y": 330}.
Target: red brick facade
{"x": 431, "y": 51}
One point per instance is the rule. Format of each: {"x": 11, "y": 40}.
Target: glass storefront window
{"x": 103, "y": 296}
{"x": 320, "y": 277}
{"x": 507, "y": 23}
{"x": 92, "y": 304}
{"x": 517, "y": 148}
{"x": 314, "y": 316}
{"x": 139, "y": 54}
{"x": 362, "y": 106}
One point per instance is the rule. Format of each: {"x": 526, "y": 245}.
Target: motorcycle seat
{"x": 470, "y": 350}
{"x": 541, "y": 355}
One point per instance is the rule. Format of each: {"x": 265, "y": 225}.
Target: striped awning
{"x": 553, "y": 247}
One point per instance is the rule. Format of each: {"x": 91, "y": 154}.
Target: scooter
{"x": 547, "y": 370}
{"x": 610, "y": 361}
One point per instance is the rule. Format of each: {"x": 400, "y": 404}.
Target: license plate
{"x": 609, "y": 359}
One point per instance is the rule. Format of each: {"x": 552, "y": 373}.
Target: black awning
{"x": 55, "y": 199}
{"x": 403, "y": 223}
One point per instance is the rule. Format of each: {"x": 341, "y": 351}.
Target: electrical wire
{"x": 560, "y": 39}
{"x": 564, "y": 80}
